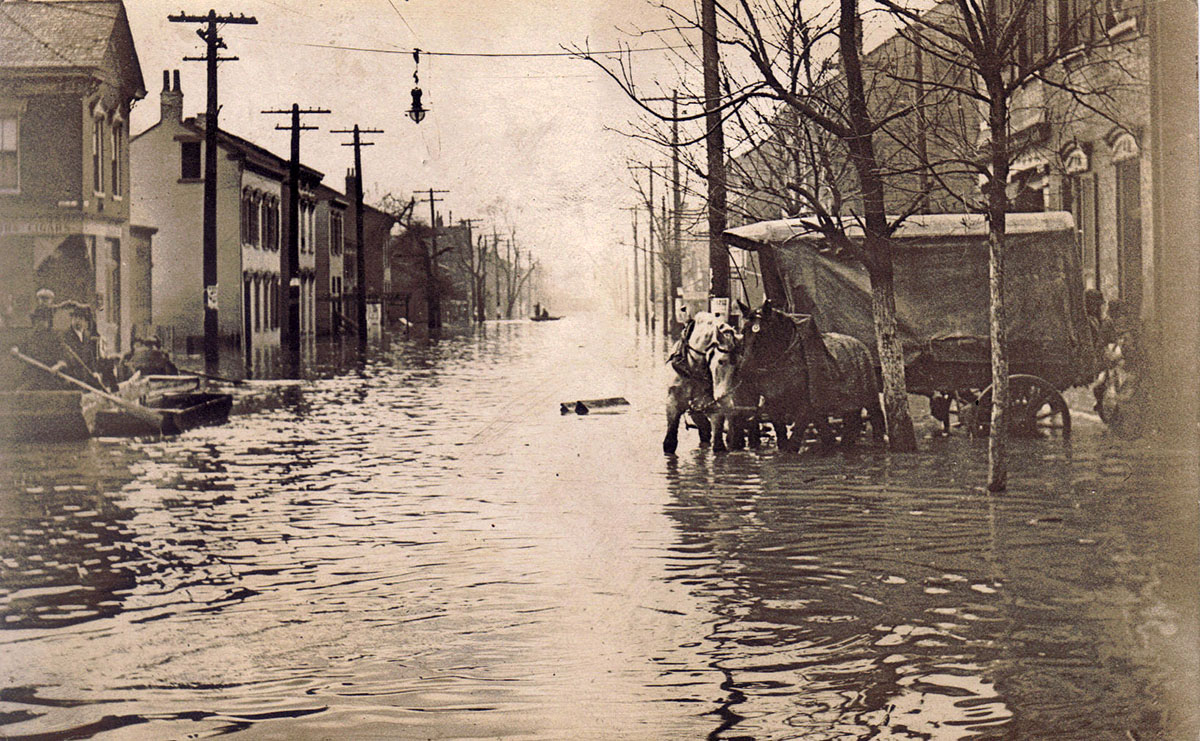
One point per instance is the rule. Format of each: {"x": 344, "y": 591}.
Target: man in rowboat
{"x": 81, "y": 350}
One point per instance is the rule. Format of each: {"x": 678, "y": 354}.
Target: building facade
{"x": 329, "y": 261}
{"x": 1078, "y": 135}
{"x": 68, "y": 75}
{"x": 252, "y": 199}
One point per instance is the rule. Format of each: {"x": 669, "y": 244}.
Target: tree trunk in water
{"x": 901, "y": 437}
{"x": 997, "y": 209}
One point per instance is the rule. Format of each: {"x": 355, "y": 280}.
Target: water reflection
{"x": 419, "y": 544}
{"x": 858, "y": 595}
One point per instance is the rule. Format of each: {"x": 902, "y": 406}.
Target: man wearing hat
{"x": 147, "y": 356}
{"x": 81, "y": 353}
{"x": 46, "y": 347}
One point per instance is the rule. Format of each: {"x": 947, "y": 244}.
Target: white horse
{"x": 735, "y": 405}
{"x": 691, "y": 389}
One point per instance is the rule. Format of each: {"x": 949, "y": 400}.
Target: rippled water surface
{"x": 423, "y": 547}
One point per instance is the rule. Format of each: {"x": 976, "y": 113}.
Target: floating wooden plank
{"x": 585, "y": 406}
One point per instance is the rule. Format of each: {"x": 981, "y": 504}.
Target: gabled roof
{"x": 68, "y": 34}
{"x": 265, "y": 160}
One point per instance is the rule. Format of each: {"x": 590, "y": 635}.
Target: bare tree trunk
{"x": 997, "y": 206}
{"x": 901, "y": 436}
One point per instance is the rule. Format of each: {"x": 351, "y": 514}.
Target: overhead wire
{"x": 491, "y": 54}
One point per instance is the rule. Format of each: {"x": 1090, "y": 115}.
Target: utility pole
{"x": 214, "y": 43}
{"x": 676, "y": 212}
{"x": 360, "y": 259}
{"x": 636, "y": 287}
{"x": 433, "y": 298}
{"x": 718, "y": 258}
{"x": 651, "y": 310}
{"x": 668, "y": 262}
{"x": 512, "y": 271}
{"x": 476, "y": 286}
{"x": 496, "y": 253}
{"x": 290, "y": 265}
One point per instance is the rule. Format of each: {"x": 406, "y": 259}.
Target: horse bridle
{"x": 783, "y": 356}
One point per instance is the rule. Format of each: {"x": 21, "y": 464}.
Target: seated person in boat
{"x": 44, "y": 346}
{"x": 147, "y": 357}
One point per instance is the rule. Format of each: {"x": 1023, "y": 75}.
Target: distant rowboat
{"x": 544, "y": 318}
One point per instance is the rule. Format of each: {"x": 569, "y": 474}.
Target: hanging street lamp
{"x": 417, "y": 111}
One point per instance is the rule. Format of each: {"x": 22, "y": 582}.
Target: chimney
{"x": 171, "y": 98}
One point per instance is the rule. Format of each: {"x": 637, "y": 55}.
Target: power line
{"x": 491, "y": 54}
{"x": 410, "y": 28}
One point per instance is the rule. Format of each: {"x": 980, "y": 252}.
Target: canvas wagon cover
{"x": 941, "y": 284}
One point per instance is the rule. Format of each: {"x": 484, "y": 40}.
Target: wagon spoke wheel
{"x": 1035, "y": 408}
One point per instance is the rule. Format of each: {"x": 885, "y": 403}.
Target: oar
{"x": 211, "y": 377}
{"x": 79, "y": 360}
{"x": 145, "y": 414}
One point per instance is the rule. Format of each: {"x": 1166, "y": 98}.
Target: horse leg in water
{"x": 717, "y": 421}
{"x": 852, "y": 424}
{"x": 753, "y": 432}
{"x": 737, "y": 432}
{"x": 703, "y": 426}
{"x": 782, "y": 440}
{"x": 826, "y": 432}
{"x": 677, "y": 398}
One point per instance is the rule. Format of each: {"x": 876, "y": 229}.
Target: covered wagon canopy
{"x": 940, "y": 264}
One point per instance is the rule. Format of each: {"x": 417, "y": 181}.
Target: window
{"x": 118, "y": 129}
{"x": 250, "y": 216}
{"x": 335, "y": 232}
{"x": 258, "y": 302}
{"x": 189, "y": 160}
{"x": 98, "y": 155}
{"x": 264, "y": 209}
{"x": 1129, "y": 233}
{"x": 1079, "y": 197}
{"x": 271, "y": 223}
{"x": 303, "y": 226}
{"x": 9, "y": 160}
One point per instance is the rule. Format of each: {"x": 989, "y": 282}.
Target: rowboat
{"x": 175, "y": 413}
{"x": 42, "y": 415}
{"x": 76, "y": 415}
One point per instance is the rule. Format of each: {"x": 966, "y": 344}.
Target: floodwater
{"x": 423, "y": 547}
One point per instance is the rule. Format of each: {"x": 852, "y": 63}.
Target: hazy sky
{"x": 523, "y": 142}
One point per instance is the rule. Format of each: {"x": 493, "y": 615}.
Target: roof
{"x": 254, "y": 151}
{"x": 75, "y": 34}
{"x": 915, "y": 228}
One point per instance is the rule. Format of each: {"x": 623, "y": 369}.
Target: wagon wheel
{"x": 1036, "y": 409}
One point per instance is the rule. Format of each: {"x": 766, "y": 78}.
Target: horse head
{"x": 769, "y": 335}
{"x": 723, "y": 360}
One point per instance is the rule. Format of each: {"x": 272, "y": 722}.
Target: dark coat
{"x": 82, "y": 356}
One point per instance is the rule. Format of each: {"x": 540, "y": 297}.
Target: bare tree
{"x": 992, "y": 53}
{"x": 788, "y": 50}
{"x": 472, "y": 260}
{"x": 419, "y": 246}
{"x": 514, "y": 275}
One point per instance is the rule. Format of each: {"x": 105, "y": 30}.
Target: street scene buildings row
{"x": 114, "y": 221}
{"x": 1090, "y": 158}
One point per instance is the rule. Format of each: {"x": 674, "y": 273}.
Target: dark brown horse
{"x": 804, "y": 377}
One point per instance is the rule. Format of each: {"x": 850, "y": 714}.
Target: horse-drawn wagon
{"x": 940, "y": 266}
